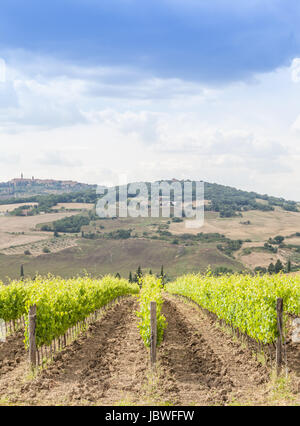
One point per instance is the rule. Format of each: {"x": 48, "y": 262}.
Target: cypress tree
{"x": 278, "y": 266}
{"x": 271, "y": 268}
{"x": 162, "y": 275}
{"x": 139, "y": 272}
{"x": 22, "y": 272}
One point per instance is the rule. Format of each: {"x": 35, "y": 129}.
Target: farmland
{"x": 110, "y": 256}
{"x": 262, "y": 226}
{"x": 232, "y": 238}
{"x": 18, "y": 231}
{"x": 10, "y": 207}
{"x": 99, "y": 250}
{"x": 107, "y": 363}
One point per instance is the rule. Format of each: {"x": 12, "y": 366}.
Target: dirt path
{"x": 12, "y": 352}
{"x": 201, "y": 365}
{"x": 198, "y": 364}
{"x": 106, "y": 366}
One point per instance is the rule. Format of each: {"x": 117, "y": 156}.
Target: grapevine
{"x": 243, "y": 301}
{"x": 60, "y": 303}
{"x": 151, "y": 291}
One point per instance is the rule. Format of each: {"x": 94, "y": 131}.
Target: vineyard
{"x": 244, "y": 302}
{"x": 98, "y": 332}
{"x": 151, "y": 291}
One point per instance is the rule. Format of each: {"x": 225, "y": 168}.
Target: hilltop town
{"x": 25, "y": 187}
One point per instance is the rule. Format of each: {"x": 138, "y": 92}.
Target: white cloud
{"x": 58, "y": 159}
{"x": 295, "y": 70}
{"x": 93, "y": 124}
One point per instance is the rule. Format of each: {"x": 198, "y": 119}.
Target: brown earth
{"x": 19, "y": 230}
{"x": 55, "y": 245}
{"x": 263, "y": 225}
{"x": 10, "y": 207}
{"x": 198, "y": 364}
{"x": 202, "y": 366}
{"x": 12, "y": 352}
{"x": 259, "y": 258}
{"x": 74, "y": 206}
{"x": 106, "y": 366}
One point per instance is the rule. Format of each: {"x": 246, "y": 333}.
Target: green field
{"x": 57, "y": 240}
{"x": 100, "y": 257}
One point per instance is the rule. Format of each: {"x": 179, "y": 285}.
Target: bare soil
{"x": 12, "y": 352}
{"x": 106, "y": 366}
{"x": 10, "y": 207}
{"x": 19, "y": 230}
{"x": 36, "y": 248}
{"x": 74, "y": 206}
{"x": 198, "y": 364}
{"x": 258, "y": 258}
{"x": 279, "y": 222}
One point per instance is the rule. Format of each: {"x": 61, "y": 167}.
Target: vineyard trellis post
{"x": 153, "y": 339}
{"x": 279, "y": 342}
{"x": 31, "y": 334}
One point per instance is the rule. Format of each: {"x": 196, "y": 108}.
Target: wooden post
{"x": 153, "y": 340}
{"x": 279, "y": 343}
{"x": 31, "y": 332}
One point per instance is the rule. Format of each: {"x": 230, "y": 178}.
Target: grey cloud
{"x": 57, "y": 159}
{"x": 7, "y": 158}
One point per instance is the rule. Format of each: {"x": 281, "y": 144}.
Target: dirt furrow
{"x": 104, "y": 366}
{"x": 12, "y": 352}
{"x": 200, "y": 364}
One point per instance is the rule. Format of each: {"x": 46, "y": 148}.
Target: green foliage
{"x": 71, "y": 224}
{"x": 63, "y": 303}
{"x": 278, "y": 266}
{"x": 177, "y": 219}
{"x": 226, "y": 200}
{"x": 138, "y": 275}
{"x": 290, "y": 206}
{"x": 221, "y": 270}
{"x": 271, "y": 268}
{"x": 60, "y": 303}
{"x": 260, "y": 270}
{"x": 276, "y": 240}
{"x": 270, "y": 248}
{"x": 13, "y": 300}
{"x": 230, "y": 246}
{"x": 119, "y": 234}
{"x": 243, "y": 301}
{"x": 151, "y": 292}
{"x": 22, "y": 271}
{"x": 20, "y": 211}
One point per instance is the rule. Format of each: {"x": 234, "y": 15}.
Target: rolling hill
{"x": 61, "y": 234}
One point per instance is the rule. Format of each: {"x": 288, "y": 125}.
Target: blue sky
{"x": 204, "y": 40}
{"x": 152, "y": 89}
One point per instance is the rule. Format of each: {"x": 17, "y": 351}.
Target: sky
{"x": 103, "y": 91}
